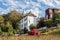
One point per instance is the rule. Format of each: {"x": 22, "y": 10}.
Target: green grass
{"x": 55, "y": 32}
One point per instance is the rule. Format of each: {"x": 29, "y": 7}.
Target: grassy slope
{"x": 40, "y": 37}
{"x": 55, "y": 32}
{"x": 26, "y": 37}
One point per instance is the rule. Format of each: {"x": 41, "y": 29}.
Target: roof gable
{"x": 29, "y": 14}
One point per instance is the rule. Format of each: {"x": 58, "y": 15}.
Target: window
{"x": 25, "y": 19}
{"x": 29, "y": 21}
{"x": 21, "y": 25}
{"x": 25, "y": 24}
{"x": 21, "y": 21}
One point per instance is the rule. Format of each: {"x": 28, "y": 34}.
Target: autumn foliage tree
{"x": 14, "y": 17}
{"x": 10, "y": 21}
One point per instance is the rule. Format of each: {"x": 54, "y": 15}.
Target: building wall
{"x": 30, "y": 20}
{"x": 26, "y": 22}
{"x": 23, "y": 22}
{"x": 50, "y": 12}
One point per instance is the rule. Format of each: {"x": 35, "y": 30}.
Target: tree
{"x": 56, "y": 18}
{"x": 41, "y": 24}
{"x": 1, "y": 21}
{"x": 31, "y": 26}
{"x": 48, "y": 23}
{"x": 9, "y": 28}
{"x": 25, "y": 30}
{"x": 0, "y": 31}
{"x": 14, "y": 17}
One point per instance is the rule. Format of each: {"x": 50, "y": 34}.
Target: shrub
{"x": 32, "y": 26}
{"x": 25, "y": 30}
{"x": 10, "y": 31}
{"x": 43, "y": 31}
{"x": 0, "y": 31}
{"x": 17, "y": 32}
{"x": 55, "y": 32}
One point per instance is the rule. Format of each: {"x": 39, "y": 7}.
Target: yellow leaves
{"x": 8, "y": 24}
{"x": 1, "y": 19}
{"x": 14, "y": 16}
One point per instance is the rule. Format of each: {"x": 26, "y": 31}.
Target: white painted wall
{"x": 30, "y": 20}
{"x": 22, "y": 22}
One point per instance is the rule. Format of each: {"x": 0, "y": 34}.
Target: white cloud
{"x": 27, "y": 3}
{"x": 57, "y": 2}
{"x": 35, "y": 11}
{"x": 13, "y": 5}
{"x": 52, "y": 3}
{"x": 47, "y": 2}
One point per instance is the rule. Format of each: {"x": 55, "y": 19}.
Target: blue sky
{"x": 37, "y": 6}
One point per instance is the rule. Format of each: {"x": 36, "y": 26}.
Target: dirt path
{"x": 26, "y": 37}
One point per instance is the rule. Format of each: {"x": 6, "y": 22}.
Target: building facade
{"x": 50, "y": 11}
{"x": 27, "y": 20}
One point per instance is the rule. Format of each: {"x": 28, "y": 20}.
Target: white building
{"x": 27, "y": 20}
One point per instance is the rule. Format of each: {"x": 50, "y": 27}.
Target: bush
{"x": 43, "y": 31}
{"x": 10, "y": 31}
{"x": 41, "y": 24}
{"x": 25, "y": 30}
{"x": 32, "y": 26}
{"x": 4, "y": 33}
{"x": 4, "y": 29}
{"x": 16, "y": 32}
{"x": 0, "y": 31}
{"x": 55, "y": 32}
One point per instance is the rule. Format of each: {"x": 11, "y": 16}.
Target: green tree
{"x": 10, "y": 28}
{"x": 48, "y": 23}
{"x": 1, "y": 21}
{"x": 25, "y": 30}
{"x": 31, "y": 26}
{"x": 56, "y": 18}
{"x": 41, "y": 24}
{"x": 0, "y": 31}
{"x": 14, "y": 17}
